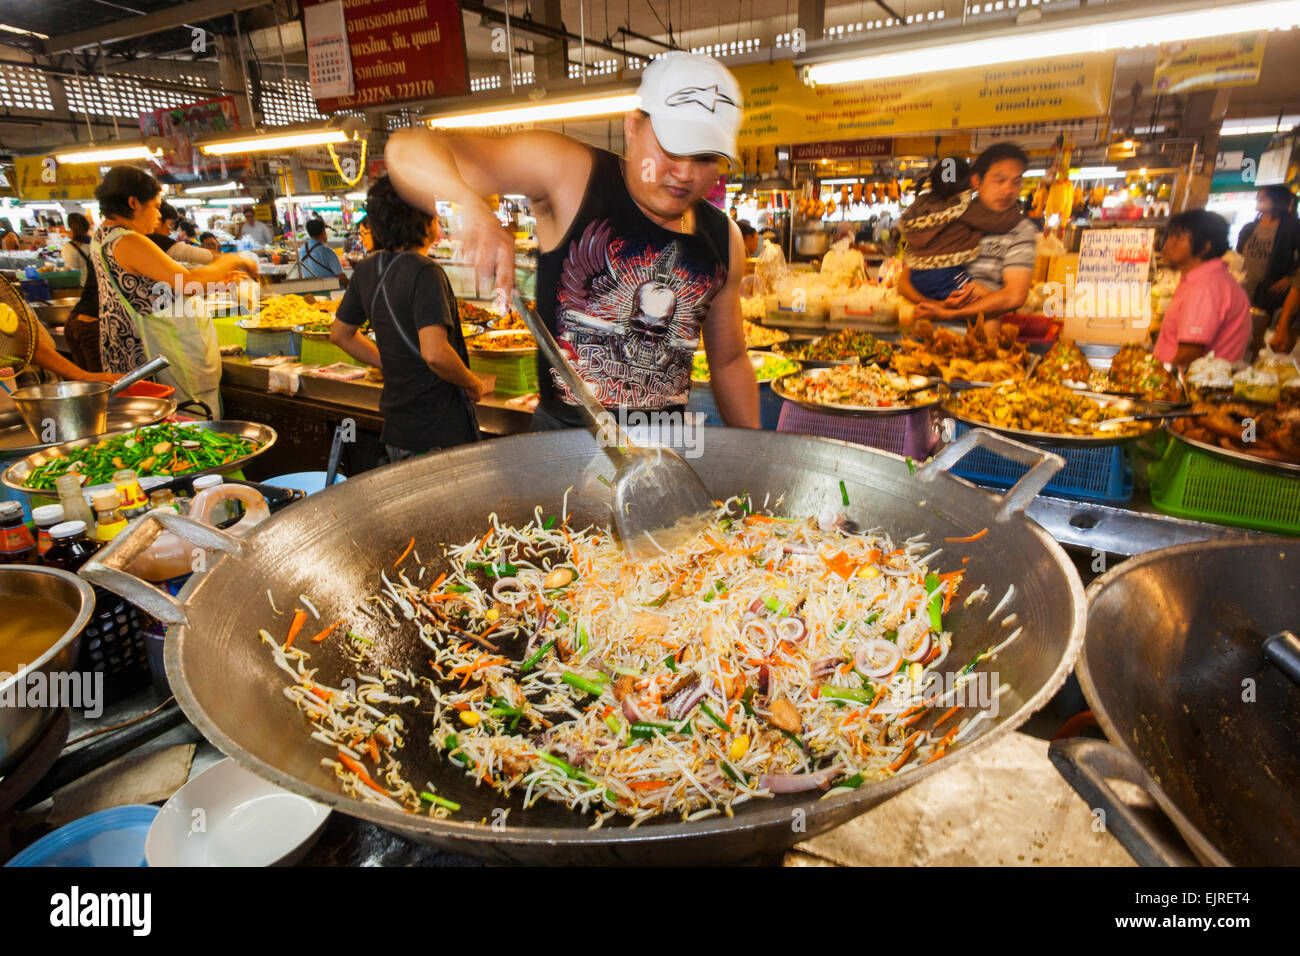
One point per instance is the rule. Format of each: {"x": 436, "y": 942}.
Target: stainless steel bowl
{"x": 64, "y": 411}
{"x": 20, "y": 726}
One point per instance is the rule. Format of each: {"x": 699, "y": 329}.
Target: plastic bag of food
{"x": 843, "y": 265}
{"x": 771, "y": 266}
{"x": 1281, "y": 364}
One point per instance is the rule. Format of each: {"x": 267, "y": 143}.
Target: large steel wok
{"x": 1183, "y": 674}
{"x": 333, "y": 546}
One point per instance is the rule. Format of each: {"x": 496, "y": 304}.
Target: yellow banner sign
{"x": 1206, "y": 64}
{"x": 44, "y": 177}
{"x": 781, "y": 108}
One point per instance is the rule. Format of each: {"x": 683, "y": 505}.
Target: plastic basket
{"x": 320, "y": 352}
{"x": 62, "y": 279}
{"x": 702, "y": 401}
{"x": 515, "y": 375}
{"x": 1101, "y": 474}
{"x": 113, "y": 644}
{"x": 911, "y": 434}
{"x": 148, "y": 390}
{"x": 1190, "y": 483}
{"x": 228, "y": 333}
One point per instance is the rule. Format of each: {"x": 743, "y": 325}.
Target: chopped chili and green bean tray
{"x": 164, "y": 449}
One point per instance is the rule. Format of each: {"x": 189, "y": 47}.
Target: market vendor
{"x": 317, "y": 259}
{"x": 1270, "y": 246}
{"x": 258, "y": 232}
{"x": 429, "y": 389}
{"x": 1209, "y": 311}
{"x": 136, "y": 282}
{"x": 1004, "y": 265}
{"x": 634, "y": 262}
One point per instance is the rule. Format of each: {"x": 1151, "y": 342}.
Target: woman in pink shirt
{"x": 1210, "y": 311}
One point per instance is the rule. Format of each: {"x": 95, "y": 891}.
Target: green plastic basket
{"x": 515, "y": 375}
{"x": 321, "y": 352}
{"x": 63, "y": 279}
{"x": 228, "y": 333}
{"x": 1190, "y": 483}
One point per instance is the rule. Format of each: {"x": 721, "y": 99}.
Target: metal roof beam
{"x": 195, "y": 11}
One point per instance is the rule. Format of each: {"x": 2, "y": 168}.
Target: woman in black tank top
{"x": 626, "y": 297}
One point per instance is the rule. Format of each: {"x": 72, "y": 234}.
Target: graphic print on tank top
{"x": 628, "y": 316}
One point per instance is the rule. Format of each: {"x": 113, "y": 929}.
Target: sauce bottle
{"x": 45, "y": 517}
{"x": 109, "y": 521}
{"x": 133, "y": 501}
{"x": 17, "y": 546}
{"x": 73, "y": 501}
{"x": 163, "y": 500}
{"x": 70, "y": 547}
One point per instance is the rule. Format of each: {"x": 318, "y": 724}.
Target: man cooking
{"x": 634, "y": 263}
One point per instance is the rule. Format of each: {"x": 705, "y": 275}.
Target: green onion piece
{"x": 794, "y": 739}
{"x": 718, "y": 587}
{"x": 873, "y": 618}
{"x": 745, "y": 699}
{"x": 581, "y": 683}
{"x": 537, "y": 656}
{"x": 844, "y": 492}
{"x": 708, "y": 712}
{"x": 911, "y": 466}
{"x": 613, "y": 724}
{"x": 892, "y": 635}
{"x": 852, "y": 782}
{"x": 550, "y": 523}
{"x": 458, "y": 588}
{"x": 582, "y": 639}
{"x": 736, "y": 776}
{"x": 428, "y": 797}
{"x": 935, "y": 603}
{"x": 645, "y": 729}
{"x": 846, "y": 693}
{"x": 776, "y": 607}
{"x": 670, "y": 663}
{"x": 358, "y": 638}
{"x": 559, "y": 612}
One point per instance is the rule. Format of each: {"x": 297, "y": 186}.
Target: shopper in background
{"x": 209, "y": 241}
{"x": 178, "y": 250}
{"x": 1005, "y": 262}
{"x": 429, "y": 391}
{"x": 258, "y": 232}
{"x": 1270, "y": 246}
{"x": 317, "y": 259}
{"x": 82, "y": 328}
{"x": 137, "y": 281}
{"x": 634, "y": 262}
{"x": 1209, "y": 311}
{"x": 1283, "y": 338}
{"x": 8, "y": 238}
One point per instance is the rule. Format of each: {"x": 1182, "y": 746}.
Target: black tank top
{"x": 625, "y": 298}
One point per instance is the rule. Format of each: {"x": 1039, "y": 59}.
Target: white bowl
{"x": 227, "y": 816}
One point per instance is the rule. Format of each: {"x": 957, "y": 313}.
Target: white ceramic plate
{"x": 227, "y": 816}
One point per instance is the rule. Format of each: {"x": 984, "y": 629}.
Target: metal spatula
{"x": 659, "y": 500}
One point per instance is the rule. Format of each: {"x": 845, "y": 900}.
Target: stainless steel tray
{"x": 781, "y": 388}
{"x": 500, "y": 353}
{"x": 124, "y": 413}
{"x": 1234, "y": 455}
{"x": 15, "y": 476}
{"x": 1126, "y": 405}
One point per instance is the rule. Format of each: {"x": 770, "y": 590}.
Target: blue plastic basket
{"x": 702, "y": 400}
{"x": 1102, "y": 474}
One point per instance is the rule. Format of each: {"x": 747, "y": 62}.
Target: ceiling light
{"x": 1058, "y": 41}
{"x": 215, "y": 188}
{"x": 264, "y": 142}
{"x": 539, "y": 112}
{"x": 310, "y": 198}
{"x": 111, "y": 154}
{"x": 358, "y": 196}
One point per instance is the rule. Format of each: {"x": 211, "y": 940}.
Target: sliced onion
{"x": 823, "y": 666}
{"x": 920, "y": 651}
{"x": 797, "y": 549}
{"x": 541, "y": 623}
{"x": 792, "y": 629}
{"x": 508, "y": 590}
{"x": 756, "y": 607}
{"x": 878, "y": 648}
{"x": 630, "y": 710}
{"x": 798, "y": 782}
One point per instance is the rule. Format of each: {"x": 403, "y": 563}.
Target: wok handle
{"x": 155, "y": 364}
{"x": 1282, "y": 650}
{"x": 106, "y": 568}
{"x": 1088, "y": 766}
{"x": 1043, "y": 465}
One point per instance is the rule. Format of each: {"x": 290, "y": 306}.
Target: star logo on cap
{"x": 707, "y": 96}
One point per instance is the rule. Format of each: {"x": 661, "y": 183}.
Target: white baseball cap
{"x": 694, "y": 104}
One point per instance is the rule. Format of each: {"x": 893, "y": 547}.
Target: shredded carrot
{"x": 964, "y": 560}
{"x": 360, "y": 771}
{"x": 442, "y": 597}
{"x": 320, "y": 692}
{"x": 946, "y": 714}
{"x": 911, "y": 710}
{"x": 438, "y": 583}
{"x": 483, "y": 660}
{"x": 731, "y": 712}
{"x": 488, "y": 537}
{"x": 911, "y": 720}
{"x": 372, "y": 750}
{"x": 647, "y": 784}
{"x": 327, "y": 632}
{"x": 405, "y": 553}
{"x": 901, "y": 760}
{"x": 299, "y": 618}
{"x": 974, "y": 537}
{"x": 939, "y": 751}
{"x": 759, "y": 519}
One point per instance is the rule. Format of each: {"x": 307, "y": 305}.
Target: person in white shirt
{"x": 76, "y": 251}
{"x": 259, "y": 232}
